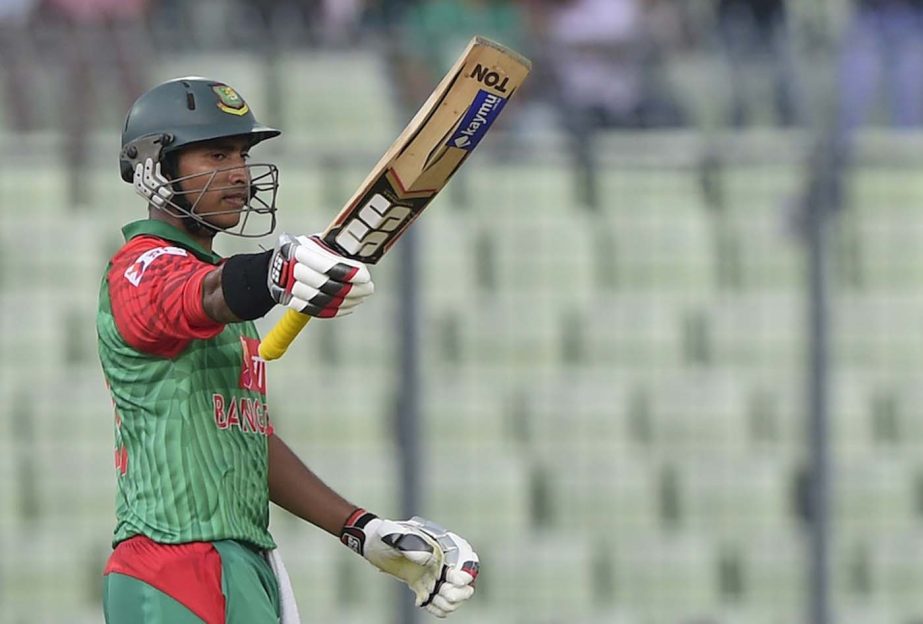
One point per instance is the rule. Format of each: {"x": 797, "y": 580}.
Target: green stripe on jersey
{"x": 191, "y": 442}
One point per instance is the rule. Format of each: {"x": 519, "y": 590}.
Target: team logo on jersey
{"x": 253, "y": 367}
{"x": 229, "y": 100}
{"x": 135, "y": 272}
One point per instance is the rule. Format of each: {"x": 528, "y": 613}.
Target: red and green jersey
{"x": 191, "y": 419}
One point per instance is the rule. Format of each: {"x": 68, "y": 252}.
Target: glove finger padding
{"x": 439, "y": 566}
{"x": 313, "y": 253}
{"x": 312, "y": 279}
{"x": 325, "y": 284}
{"x": 459, "y": 570}
{"x": 408, "y": 554}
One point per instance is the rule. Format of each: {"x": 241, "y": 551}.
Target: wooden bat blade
{"x": 449, "y": 125}
{"x": 439, "y": 138}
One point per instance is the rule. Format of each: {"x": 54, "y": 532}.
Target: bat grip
{"x": 276, "y": 342}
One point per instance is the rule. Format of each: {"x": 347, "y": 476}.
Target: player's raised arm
{"x": 301, "y": 273}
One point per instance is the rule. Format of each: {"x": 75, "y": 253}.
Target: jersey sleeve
{"x": 155, "y": 291}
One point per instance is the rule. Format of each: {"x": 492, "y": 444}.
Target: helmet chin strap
{"x": 196, "y": 227}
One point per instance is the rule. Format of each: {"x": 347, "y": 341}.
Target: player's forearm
{"x": 296, "y": 489}
{"x": 213, "y": 299}
{"x": 238, "y": 289}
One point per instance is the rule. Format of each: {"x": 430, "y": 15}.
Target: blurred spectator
{"x": 604, "y": 64}
{"x": 883, "y": 53}
{"x": 754, "y": 37}
{"x": 89, "y": 40}
{"x": 603, "y": 60}
{"x": 280, "y": 23}
{"x": 434, "y": 32}
{"x": 15, "y": 52}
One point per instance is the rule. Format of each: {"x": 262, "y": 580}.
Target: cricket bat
{"x": 419, "y": 163}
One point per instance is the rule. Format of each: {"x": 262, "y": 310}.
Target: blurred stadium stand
{"x": 613, "y": 400}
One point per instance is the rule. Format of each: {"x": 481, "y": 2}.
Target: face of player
{"x": 227, "y": 192}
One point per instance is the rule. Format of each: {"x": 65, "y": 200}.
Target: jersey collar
{"x": 161, "y": 229}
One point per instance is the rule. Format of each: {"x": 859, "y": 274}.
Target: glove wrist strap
{"x": 243, "y": 283}
{"x": 353, "y": 532}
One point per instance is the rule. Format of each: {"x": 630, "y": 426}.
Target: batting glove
{"x": 309, "y": 277}
{"x": 439, "y": 566}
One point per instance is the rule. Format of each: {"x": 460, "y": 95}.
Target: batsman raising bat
{"x": 197, "y": 460}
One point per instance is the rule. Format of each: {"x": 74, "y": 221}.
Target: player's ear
{"x": 169, "y": 165}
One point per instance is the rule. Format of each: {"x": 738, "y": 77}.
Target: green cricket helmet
{"x": 182, "y": 112}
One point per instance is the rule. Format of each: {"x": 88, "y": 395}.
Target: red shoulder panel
{"x": 155, "y": 289}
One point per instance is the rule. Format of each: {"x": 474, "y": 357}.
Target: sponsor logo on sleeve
{"x": 135, "y": 272}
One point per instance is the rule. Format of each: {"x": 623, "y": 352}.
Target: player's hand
{"x": 309, "y": 277}
{"x": 439, "y": 566}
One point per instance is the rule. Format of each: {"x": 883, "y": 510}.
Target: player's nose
{"x": 239, "y": 176}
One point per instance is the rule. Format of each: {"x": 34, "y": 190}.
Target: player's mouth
{"x": 239, "y": 200}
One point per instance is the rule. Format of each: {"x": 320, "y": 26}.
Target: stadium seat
{"x": 362, "y": 115}
{"x": 875, "y": 333}
{"x": 873, "y": 495}
{"x": 74, "y": 254}
{"x": 35, "y": 335}
{"x": 581, "y": 411}
{"x": 366, "y": 475}
{"x": 736, "y": 495}
{"x": 601, "y": 616}
{"x": 631, "y": 331}
{"x": 851, "y": 423}
{"x": 760, "y": 200}
{"x": 698, "y": 412}
{"x": 29, "y": 191}
{"x": 543, "y": 578}
{"x": 774, "y": 564}
{"x": 509, "y": 332}
{"x": 664, "y": 577}
{"x": 476, "y": 492}
{"x": 323, "y": 404}
{"x": 49, "y": 551}
{"x": 759, "y": 330}
{"x": 600, "y": 493}
{"x": 775, "y": 413}
{"x": 548, "y": 258}
{"x": 657, "y": 241}
{"x": 507, "y": 192}
{"x": 448, "y": 267}
{"x": 865, "y": 613}
{"x": 364, "y": 341}
{"x": 73, "y": 436}
{"x": 907, "y": 395}
{"x": 311, "y": 558}
{"x": 896, "y": 574}
{"x": 883, "y": 218}
{"x": 465, "y": 410}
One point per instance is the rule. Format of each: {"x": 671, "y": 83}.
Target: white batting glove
{"x": 151, "y": 184}
{"x": 309, "y": 277}
{"x": 440, "y": 567}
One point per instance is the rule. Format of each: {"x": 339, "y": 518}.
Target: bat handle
{"x": 276, "y": 342}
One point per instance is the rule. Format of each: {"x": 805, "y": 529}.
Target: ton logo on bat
{"x": 490, "y": 78}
